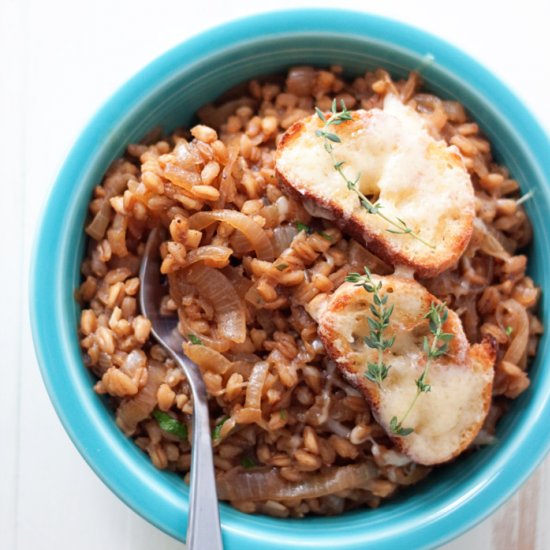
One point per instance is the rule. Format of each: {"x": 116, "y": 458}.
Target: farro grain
{"x": 204, "y": 133}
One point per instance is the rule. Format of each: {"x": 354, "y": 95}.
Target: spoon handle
{"x": 203, "y": 527}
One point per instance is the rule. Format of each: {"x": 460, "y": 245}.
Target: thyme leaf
{"x": 194, "y": 339}
{"x": 308, "y": 230}
{"x": 303, "y": 227}
{"x": 396, "y": 428}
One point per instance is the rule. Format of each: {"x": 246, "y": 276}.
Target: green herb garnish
{"x": 437, "y": 315}
{"x": 325, "y": 236}
{"x": 170, "y": 425}
{"x": 378, "y": 323}
{"x": 282, "y": 414}
{"x": 194, "y": 340}
{"x": 218, "y": 428}
{"x": 303, "y": 227}
{"x": 247, "y": 462}
{"x": 399, "y": 227}
{"x": 281, "y": 267}
{"x": 308, "y": 230}
{"x": 509, "y": 330}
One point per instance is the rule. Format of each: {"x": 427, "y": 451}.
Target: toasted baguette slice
{"x": 446, "y": 419}
{"x": 411, "y": 175}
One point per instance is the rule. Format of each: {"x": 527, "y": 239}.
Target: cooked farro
{"x": 285, "y": 423}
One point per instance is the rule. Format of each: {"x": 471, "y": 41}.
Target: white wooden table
{"x": 59, "y": 60}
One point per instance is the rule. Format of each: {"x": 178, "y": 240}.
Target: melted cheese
{"x": 441, "y": 416}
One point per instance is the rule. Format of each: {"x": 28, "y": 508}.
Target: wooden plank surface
{"x": 60, "y": 60}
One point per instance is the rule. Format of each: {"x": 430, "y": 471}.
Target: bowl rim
{"x": 476, "y": 501}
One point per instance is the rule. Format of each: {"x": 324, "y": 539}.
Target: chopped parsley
{"x": 303, "y": 227}
{"x": 170, "y": 425}
{"x": 247, "y": 462}
{"x": 325, "y": 236}
{"x": 194, "y": 340}
{"x": 218, "y": 428}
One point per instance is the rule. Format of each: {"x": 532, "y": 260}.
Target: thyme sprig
{"x": 399, "y": 226}
{"x": 378, "y": 323}
{"x": 437, "y": 316}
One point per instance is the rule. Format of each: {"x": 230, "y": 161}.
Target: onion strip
{"x": 247, "y": 226}
{"x": 132, "y": 411}
{"x": 210, "y": 255}
{"x": 489, "y": 243}
{"x": 215, "y": 342}
{"x": 282, "y": 238}
{"x": 512, "y": 314}
{"x": 268, "y": 485}
{"x": 207, "y": 359}
{"x": 256, "y": 385}
{"x": 215, "y": 287}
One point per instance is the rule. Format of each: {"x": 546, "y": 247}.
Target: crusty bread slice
{"x": 446, "y": 419}
{"x": 411, "y": 175}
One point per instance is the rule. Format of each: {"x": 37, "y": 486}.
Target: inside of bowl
{"x": 189, "y": 78}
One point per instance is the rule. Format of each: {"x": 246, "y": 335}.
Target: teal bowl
{"x": 168, "y": 92}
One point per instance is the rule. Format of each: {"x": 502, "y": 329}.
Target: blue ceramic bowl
{"x": 167, "y": 92}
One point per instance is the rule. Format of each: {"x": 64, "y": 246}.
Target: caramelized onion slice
{"x": 97, "y": 227}
{"x": 237, "y": 278}
{"x": 268, "y": 485}
{"x": 215, "y": 341}
{"x": 181, "y": 177}
{"x": 134, "y": 410}
{"x": 240, "y": 244}
{"x": 256, "y": 385}
{"x": 207, "y": 359}
{"x": 247, "y": 226}
{"x": 512, "y": 314}
{"x": 488, "y": 241}
{"x": 215, "y": 287}
{"x": 282, "y": 237}
{"x": 210, "y": 255}
{"x": 179, "y": 287}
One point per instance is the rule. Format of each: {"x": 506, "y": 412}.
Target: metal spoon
{"x": 203, "y": 526}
